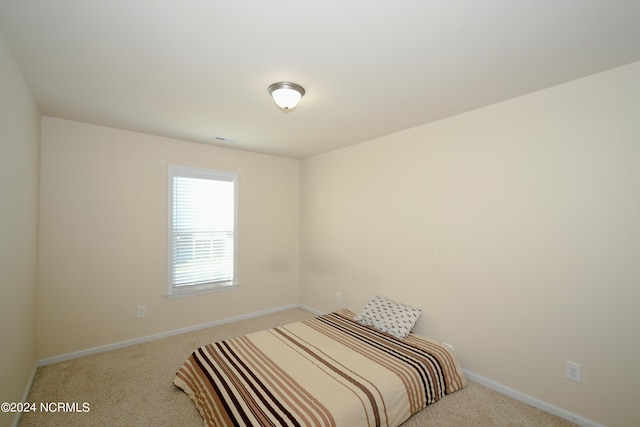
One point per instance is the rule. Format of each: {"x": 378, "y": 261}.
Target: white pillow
{"x": 389, "y": 316}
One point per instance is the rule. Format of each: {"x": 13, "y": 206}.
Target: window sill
{"x": 200, "y": 290}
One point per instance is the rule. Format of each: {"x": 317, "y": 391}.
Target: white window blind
{"x": 201, "y": 230}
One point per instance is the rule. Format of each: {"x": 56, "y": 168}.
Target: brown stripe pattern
{"x": 325, "y": 371}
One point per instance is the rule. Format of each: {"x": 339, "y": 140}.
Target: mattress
{"x": 325, "y": 371}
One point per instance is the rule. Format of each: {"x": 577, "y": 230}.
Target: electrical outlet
{"x": 142, "y": 310}
{"x": 338, "y": 296}
{"x": 573, "y": 371}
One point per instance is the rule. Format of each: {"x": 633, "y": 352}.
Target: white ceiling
{"x": 199, "y": 69}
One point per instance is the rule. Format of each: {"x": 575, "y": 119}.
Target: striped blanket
{"x": 325, "y": 371}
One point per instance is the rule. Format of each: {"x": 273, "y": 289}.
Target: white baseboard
{"x": 153, "y": 337}
{"x": 311, "y": 310}
{"x": 532, "y": 401}
{"x": 25, "y": 395}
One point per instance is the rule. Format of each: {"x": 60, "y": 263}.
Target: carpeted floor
{"x": 133, "y": 387}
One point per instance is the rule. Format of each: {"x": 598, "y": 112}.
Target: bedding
{"x": 329, "y": 370}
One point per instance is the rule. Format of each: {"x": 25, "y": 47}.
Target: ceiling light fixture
{"x": 286, "y": 95}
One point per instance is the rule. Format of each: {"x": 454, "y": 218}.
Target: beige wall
{"x": 516, "y": 228}
{"x": 103, "y": 235}
{"x": 19, "y": 169}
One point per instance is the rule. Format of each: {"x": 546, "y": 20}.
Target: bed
{"x": 330, "y": 370}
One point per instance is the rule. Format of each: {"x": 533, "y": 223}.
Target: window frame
{"x": 199, "y": 173}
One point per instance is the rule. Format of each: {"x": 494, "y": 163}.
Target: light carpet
{"x": 133, "y": 386}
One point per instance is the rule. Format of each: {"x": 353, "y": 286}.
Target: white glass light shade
{"x": 286, "y": 98}
{"x": 286, "y": 95}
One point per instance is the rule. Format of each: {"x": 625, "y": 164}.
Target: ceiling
{"x": 199, "y": 70}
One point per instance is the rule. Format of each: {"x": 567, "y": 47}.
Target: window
{"x": 202, "y": 235}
